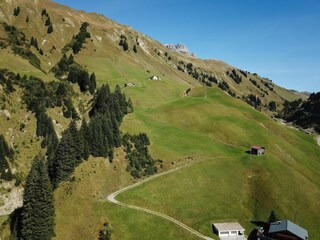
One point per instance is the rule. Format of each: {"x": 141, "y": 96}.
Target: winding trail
{"x": 112, "y": 198}
{"x": 318, "y": 140}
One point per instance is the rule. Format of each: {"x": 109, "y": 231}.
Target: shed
{"x": 286, "y": 229}
{"x": 257, "y": 150}
{"x": 155, "y": 78}
{"x": 129, "y": 84}
{"x": 228, "y": 229}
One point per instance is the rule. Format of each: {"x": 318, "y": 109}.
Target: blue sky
{"x": 278, "y": 39}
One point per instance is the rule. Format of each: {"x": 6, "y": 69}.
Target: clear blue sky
{"x": 278, "y": 39}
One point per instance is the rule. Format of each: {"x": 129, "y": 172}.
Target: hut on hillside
{"x": 129, "y": 84}
{"x": 257, "y": 150}
{"x": 154, "y": 78}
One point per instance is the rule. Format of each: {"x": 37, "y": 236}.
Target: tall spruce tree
{"x": 84, "y": 134}
{"x": 68, "y": 155}
{"x": 37, "y": 217}
{"x": 63, "y": 163}
{"x": 92, "y": 84}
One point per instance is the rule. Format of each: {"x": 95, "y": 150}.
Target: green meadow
{"x": 224, "y": 183}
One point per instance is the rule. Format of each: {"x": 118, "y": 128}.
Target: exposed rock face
{"x": 12, "y": 199}
{"x": 180, "y": 48}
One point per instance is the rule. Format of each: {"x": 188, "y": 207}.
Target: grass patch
{"x": 240, "y": 187}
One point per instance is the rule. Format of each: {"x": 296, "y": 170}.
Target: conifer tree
{"x": 9, "y": 86}
{"x": 63, "y": 163}
{"x": 43, "y": 12}
{"x": 70, "y": 59}
{"x": 125, "y": 46}
{"x": 16, "y": 11}
{"x": 68, "y": 155}
{"x": 77, "y": 142}
{"x": 32, "y": 41}
{"x": 50, "y": 28}
{"x": 93, "y": 83}
{"x": 37, "y": 217}
{"x": 130, "y": 106}
{"x": 135, "y": 49}
{"x": 84, "y": 134}
{"x": 36, "y": 44}
{"x": 273, "y": 217}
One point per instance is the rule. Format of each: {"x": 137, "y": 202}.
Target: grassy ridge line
{"x": 112, "y": 198}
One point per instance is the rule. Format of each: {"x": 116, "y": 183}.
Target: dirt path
{"x": 112, "y": 198}
{"x": 318, "y": 140}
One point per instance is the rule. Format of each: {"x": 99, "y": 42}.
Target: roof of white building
{"x": 228, "y": 226}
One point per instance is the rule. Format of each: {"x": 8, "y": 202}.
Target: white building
{"x": 231, "y": 229}
{"x": 155, "y": 78}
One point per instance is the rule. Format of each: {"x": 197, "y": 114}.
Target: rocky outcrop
{"x": 11, "y": 198}
{"x": 180, "y": 48}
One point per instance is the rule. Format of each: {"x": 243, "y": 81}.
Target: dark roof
{"x": 286, "y": 225}
{"x": 257, "y": 147}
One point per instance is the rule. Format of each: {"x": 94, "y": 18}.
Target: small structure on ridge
{"x": 154, "y": 78}
{"x": 257, "y": 150}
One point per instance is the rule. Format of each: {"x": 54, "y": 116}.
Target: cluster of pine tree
{"x": 17, "y": 40}
{"x": 253, "y": 100}
{"x": 66, "y": 155}
{"x": 5, "y": 153}
{"x": 105, "y": 232}
{"x": 123, "y": 42}
{"x": 272, "y": 106}
{"x": 244, "y": 73}
{"x": 205, "y": 78}
{"x": 36, "y": 218}
{"x": 305, "y": 114}
{"x": 267, "y": 84}
{"x": 137, "y": 153}
{"x": 78, "y": 40}
{"x": 48, "y": 23}
{"x": 254, "y": 82}
{"x": 39, "y": 95}
{"x": 63, "y": 66}
{"x": 213, "y": 79}
{"x": 312, "y": 105}
{"x": 34, "y": 42}
{"x": 7, "y": 81}
{"x": 98, "y": 138}
{"x": 16, "y": 11}
{"x": 81, "y": 76}
{"x": 225, "y": 87}
{"x": 235, "y": 76}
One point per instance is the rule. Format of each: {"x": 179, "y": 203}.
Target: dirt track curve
{"x": 112, "y": 198}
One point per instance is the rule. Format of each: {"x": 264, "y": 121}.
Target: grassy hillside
{"x": 238, "y": 187}
{"x": 206, "y": 133}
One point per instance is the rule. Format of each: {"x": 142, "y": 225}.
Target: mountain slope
{"x": 103, "y": 47}
{"x": 185, "y": 121}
